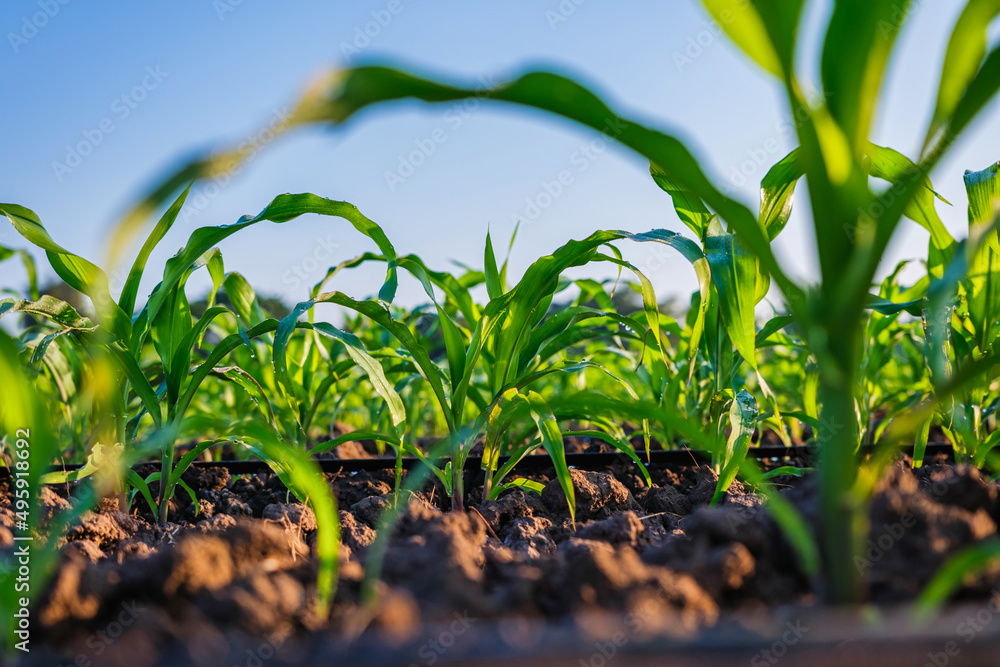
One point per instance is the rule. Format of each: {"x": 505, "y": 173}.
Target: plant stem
{"x": 457, "y": 476}
{"x": 399, "y": 468}
{"x": 837, "y": 471}
{"x": 487, "y": 485}
{"x": 166, "y": 470}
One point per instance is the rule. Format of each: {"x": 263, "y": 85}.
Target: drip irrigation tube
{"x": 583, "y": 461}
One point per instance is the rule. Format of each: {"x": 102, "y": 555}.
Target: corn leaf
{"x": 734, "y": 272}
{"x": 48, "y": 307}
{"x": 131, "y": 288}
{"x": 962, "y": 59}
{"x": 494, "y": 286}
{"x": 240, "y": 377}
{"x": 282, "y": 209}
{"x": 305, "y": 479}
{"x": 886, "y": 307}
{"x": 743, "y": 420}
{"x": 358, "y": 88}
{"x": 968, "y": 562}
{"x": 974, "y": 99}
{"x": 170, "y": 328}
{"x": 776, "y": 190}
{"x": 29, "y": 268}
{"x": 740, "y": 20}
{"x": 375, "y": 311}
{"x": 983, "y": 282}
{"x": 26, "y": 419}
{"x": 372, "y": 368}
{"x": 552, "y": 441}
{"x": 856, "y": 50}
{"x": 78, "y": 273}
{"x": 690, "y": 209}
{"x": 893, "y": 166}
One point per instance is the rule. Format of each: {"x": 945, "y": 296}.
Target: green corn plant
{"x": 32, "y": 445}
{"x": 732, "y": 283}
{"x": 975, "y": 325}
{"x": 164, "y": 326}
{"x": 165, "y": 330}
{"x": 307, "y": 388}
{"x": 731, "y": 280}
{"x": 833, "y": 144}
{"x": 956, "y": 303}
{"x": 893, "y": 375}
{"x": 786, "y": 361}
{"x": 496, "y": 352}
{"x": 317, "y": 369}
{"x": 55, "y": 364}
{"x": 743, "y": 422}
{"x": 961, "y": 322}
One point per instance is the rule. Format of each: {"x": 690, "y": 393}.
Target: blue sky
{"x": 143, "y": 85}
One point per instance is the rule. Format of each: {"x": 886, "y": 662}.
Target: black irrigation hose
{"x": 583, "y": 461}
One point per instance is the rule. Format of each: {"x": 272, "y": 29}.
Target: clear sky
{"x": 145, "y": 84}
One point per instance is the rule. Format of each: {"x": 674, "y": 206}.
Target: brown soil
{"x": 219, "y": 586}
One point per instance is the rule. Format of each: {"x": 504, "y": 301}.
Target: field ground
{"x": 648, "y": 573}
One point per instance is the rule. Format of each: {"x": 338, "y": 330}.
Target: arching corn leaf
{"x": 281, "y": 209}
{"x": 689, "y": 207}
{"x": 77, "y": 272}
